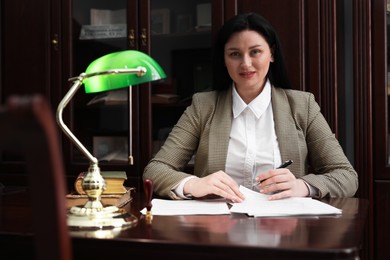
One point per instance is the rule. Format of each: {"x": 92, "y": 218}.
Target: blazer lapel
{"x": 285, "y": 128}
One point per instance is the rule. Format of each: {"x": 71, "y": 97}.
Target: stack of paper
{"x": 258, "y": 205}
{"x": 255, "y": 204}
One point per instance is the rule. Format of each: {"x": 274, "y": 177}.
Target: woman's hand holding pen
{"x": 218, "y": 183}
{"x": 282, "y": 183}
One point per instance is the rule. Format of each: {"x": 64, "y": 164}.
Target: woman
{"x": 248, "y": 125}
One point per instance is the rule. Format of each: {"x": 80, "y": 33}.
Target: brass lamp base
{"x": 108, "y": 218}
{"x": 92, "y": 215}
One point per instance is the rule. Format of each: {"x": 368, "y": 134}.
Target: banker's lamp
{"x": 112, "y": 71}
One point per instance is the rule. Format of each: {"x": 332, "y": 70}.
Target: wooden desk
{"x": 201, "y": 237}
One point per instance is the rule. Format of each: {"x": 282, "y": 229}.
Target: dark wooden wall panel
{"x": 30, "y": 75}
{"x": 286, "y": 17}
{"x": 307, "y": 30}
{"x": 377, "y": 184}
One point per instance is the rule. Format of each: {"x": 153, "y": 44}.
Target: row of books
{"x": 114, "y": 182}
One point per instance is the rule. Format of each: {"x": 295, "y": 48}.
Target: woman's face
{"x": 247, "y": 59}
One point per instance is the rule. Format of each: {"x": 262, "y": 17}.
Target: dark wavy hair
{"x": 248, "y": 21}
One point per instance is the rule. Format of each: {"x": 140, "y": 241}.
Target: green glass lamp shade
{"x": 129, "y": 59}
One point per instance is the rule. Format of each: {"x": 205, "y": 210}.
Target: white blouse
{"x": 253, "y": 144}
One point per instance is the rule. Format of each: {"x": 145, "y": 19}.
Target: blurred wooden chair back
{"x": 27, "y": 126}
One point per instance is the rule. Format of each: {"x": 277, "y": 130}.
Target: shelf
{"x": 205, "y": 33}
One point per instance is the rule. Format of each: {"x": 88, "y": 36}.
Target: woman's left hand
{"x": 281, "y": 183}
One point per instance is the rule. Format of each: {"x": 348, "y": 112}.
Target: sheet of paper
{"x": 188, "y": 207}
{"x": 257, "y": 205}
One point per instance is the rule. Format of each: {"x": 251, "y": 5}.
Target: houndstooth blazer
{"x": 303, "y": 134}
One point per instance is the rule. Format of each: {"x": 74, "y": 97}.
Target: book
{"x": 114, "y": 182}
{"x": 118, "y": 200}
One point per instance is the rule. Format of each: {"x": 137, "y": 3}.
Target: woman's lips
{"x": 247, "y": 74}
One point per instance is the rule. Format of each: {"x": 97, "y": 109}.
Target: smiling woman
{"x": 242, "y": 130}
{"x": 247, "y": 58}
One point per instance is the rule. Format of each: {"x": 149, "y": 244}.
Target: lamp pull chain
{"x": 131, "y": 159}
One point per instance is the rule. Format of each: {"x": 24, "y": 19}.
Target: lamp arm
{"x": 78, "y": 81}
{"x": 140, "y": 71}
{"x": 64, "y": 102}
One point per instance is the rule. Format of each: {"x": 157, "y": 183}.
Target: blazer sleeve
{"x": 166, "y": 169}
{"x": 333, "y": 174}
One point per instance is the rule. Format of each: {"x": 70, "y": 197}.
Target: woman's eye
{"x": 234, "y": 54}
{"x": 254, "y": 52}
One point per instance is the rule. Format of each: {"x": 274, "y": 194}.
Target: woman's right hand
{"x": 218, "y": 183}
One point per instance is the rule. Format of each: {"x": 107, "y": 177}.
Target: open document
{"x": 257, "y": 205}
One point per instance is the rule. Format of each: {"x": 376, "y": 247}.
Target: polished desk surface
{"x": 200, "y": 237}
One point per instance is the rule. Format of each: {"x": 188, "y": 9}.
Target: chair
{"x": 28, "y": 128}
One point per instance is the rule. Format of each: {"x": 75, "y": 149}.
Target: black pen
{"x": 283, "y": 165}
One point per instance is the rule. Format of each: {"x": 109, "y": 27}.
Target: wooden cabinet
{"x": 30, "y": 61}
{"x": 177, "y": 34}
{"x": 46, "y": 42}
{"x": 180, "y": 34}
{"x": 106, "y": 123}
{"x": 381, "y": 127}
